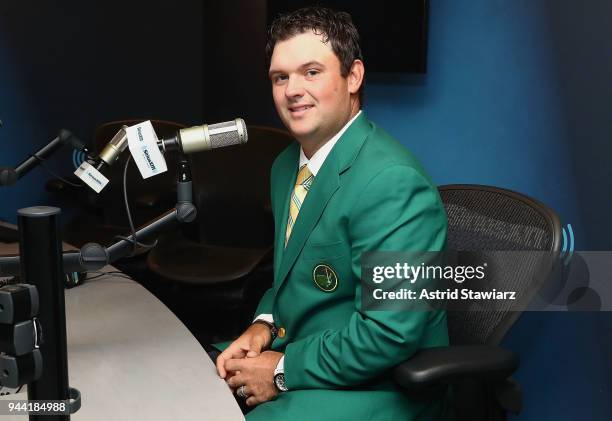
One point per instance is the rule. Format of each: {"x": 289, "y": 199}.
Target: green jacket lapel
{"x": 283, "y": 187}
{"x": 325, "y": 184}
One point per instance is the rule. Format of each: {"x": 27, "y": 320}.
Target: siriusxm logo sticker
{"x": 148, "y": 158}
{"x": 91, "y": 176}
{"x": 142, "y": 142}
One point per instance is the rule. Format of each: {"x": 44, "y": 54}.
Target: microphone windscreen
{"x": 227, "y": 133}
{"x": 211, "y": 136}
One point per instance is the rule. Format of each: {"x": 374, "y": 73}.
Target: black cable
{"x": 42, "y": 164}
{"x": 90, "y": 278}
{"x": 116, "y": 273}
{"x": 134, "y": 241}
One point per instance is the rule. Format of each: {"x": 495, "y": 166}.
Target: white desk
{"x": 132, "y": 359}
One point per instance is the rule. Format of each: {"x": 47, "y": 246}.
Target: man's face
{"x": 311, "y": 96}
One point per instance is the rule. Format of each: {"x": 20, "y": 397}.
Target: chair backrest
{"x": 232, "y": 190}
{"x": 162, "y": 185}
{"x": 482, "y": 219}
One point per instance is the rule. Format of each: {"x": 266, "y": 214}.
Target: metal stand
{"x": 42, "y": 266}
{"x": 93, "y": 256}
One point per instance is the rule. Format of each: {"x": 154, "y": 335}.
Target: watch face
{"x": 279, "y": 380}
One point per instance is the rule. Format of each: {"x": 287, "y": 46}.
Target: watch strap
{"x": 279, "y": 382}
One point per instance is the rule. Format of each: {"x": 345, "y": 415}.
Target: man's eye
{"x": 280, "y": 78}
{"x": 312, "y": 72}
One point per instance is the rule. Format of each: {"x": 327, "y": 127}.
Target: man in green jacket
{"x": 346, "y": 187}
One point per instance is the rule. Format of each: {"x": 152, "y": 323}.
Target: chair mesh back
{"x": 483, "y": 219}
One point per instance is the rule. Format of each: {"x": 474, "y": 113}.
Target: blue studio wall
{"x": 488, "y": 109}
{"x": 22, "y": 122}
{"x": 516, "y": 95}
{"x": 77, "y": 64}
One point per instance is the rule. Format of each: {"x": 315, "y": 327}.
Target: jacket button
{"x": 281, "y": 332}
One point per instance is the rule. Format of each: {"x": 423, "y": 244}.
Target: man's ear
{"x": 355, "y": 76}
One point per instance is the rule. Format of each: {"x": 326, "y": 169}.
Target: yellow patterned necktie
{"x": 302, "y": 185}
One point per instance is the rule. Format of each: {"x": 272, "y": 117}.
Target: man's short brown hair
{"x": 335, "y": 27}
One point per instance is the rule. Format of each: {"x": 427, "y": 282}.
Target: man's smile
{"x": 298, "y": 110}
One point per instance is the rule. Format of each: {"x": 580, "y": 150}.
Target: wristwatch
{"x": 273, "y": 329}
{"x": 279, "y": 379}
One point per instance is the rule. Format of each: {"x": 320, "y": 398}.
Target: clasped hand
{"x": 247, "y": 363}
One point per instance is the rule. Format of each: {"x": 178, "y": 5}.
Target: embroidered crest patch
{"x": 325, "y": 277}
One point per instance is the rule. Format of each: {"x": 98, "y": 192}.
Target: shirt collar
{"x": 317, "y": 160}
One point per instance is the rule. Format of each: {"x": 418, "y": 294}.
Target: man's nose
{"x": 294, "y": 87}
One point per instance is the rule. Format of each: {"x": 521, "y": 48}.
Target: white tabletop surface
{"x": 132, "y": 359}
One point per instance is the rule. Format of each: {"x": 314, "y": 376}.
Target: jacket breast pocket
{"x": 327, "y": 265}
{"x": 325, "y": 251}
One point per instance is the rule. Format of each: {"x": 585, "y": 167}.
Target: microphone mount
{"x": 93, "y": 256}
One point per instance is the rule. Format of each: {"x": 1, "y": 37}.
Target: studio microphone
{"x": 90, "y": 170}
{"x": 187, "y": 141}
{"x": 113, "y": 149}
{"x": 207, "y": 137}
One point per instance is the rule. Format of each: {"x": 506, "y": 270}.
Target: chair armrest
{"x": 438, "y": 366}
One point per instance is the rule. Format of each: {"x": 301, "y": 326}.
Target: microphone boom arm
{"x": 93, "y": 256}
{"x": 9, "y": 176}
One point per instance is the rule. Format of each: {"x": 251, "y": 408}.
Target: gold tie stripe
{"x": 302, "y": 185}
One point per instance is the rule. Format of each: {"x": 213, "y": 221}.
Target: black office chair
{"x": 483, "y": 219}
{"x": 221, "y": 270}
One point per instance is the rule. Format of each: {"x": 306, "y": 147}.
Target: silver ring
{"x": 241, "y": 393}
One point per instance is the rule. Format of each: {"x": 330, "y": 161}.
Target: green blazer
{"x": 370, "y": 194}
